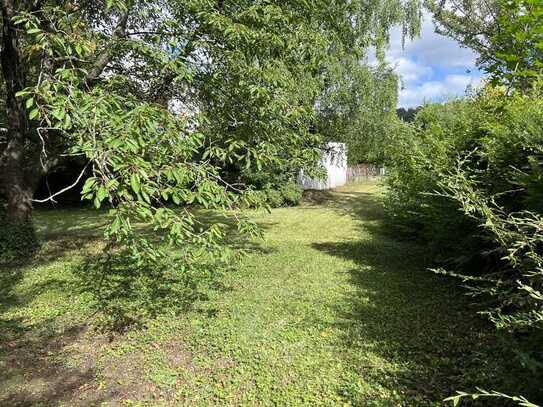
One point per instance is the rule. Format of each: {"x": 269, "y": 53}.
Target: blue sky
{"x": 432, "y": 68}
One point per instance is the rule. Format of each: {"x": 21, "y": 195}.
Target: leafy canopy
{"x": 156, "y": 98}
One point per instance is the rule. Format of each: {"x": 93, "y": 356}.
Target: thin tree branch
{"x": 104, "y": 58}
{"x": 52, "y": 197}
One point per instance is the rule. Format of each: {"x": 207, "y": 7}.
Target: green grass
{"x": 326, "y": 310}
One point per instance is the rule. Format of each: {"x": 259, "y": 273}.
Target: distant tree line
{"x": 408, "y": 115}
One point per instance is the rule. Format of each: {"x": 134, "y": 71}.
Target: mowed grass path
{"x": 326, "y": 310}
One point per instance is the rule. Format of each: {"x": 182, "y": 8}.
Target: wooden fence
{"x": 364, "y": 172}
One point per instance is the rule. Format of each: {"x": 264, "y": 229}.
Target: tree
{"x": 408, "y": 115}
{"x": 155, "y": 98}
{"x": 358, "y": 108}
{"x": 217, "y": 58}
{"x": 506, "y": 34}
{"x": 358, "y": 98}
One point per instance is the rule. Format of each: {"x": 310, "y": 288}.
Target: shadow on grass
{"x": 357, "y": 204}
{"x": 234, "y": 239}
{"x": 34, "y": 347}
{"x": 54, "y": 245}
{"x": 419, "y": 324}
{"x": 128, "y": 290}
{"x": 34, "y": 373}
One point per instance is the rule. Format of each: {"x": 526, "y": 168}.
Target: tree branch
{"x": 52, "y": 197}
{"x": 161, "y": 87}
{"x": 104, "y": 58}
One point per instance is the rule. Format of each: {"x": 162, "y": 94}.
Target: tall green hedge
{"x": 467, "y": 180}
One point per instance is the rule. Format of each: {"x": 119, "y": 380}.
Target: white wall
{"x": 334, "y": 160}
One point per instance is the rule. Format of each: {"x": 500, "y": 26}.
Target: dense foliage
{"x": 164, "y": 105}
{"x": 467, "y": 181}
{"x": 275, "y": 187}
{"x": 242, "y": 77}
{"x": 472, "y": 189}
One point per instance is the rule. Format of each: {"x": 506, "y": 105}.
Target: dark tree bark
{"x": 21, "y": 168}
{"x": 13, "y": 162}
{"x": 104, "y": 58}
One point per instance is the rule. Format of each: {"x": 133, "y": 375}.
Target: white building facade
{"x": 334, "y": 160}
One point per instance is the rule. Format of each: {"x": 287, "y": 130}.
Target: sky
{"x": 432, "y": 68}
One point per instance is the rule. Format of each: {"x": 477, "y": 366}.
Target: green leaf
{"x": 135, "y": 183}
{"x": 59, "y": 114}
{"x": 102, "y": 193}
{"x": 88, "y": 186}
{"x": 67, "y": 121}
{"x": 33, "y": 114}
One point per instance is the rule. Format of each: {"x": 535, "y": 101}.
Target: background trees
{"x": 358, "y": 108}
{"x": 163, "y": 106}
{"x": 408, "y": 115}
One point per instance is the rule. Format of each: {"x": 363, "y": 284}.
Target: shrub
{"x": 467, "y": 180}
{"x": 274, "y": 197}
{"x": 292, "y": 194}
{"x": 420, "y": 154}
{"x": 275, "y": 188}
{"x": 516, "y": 238}
{"x": 289, "y": 194}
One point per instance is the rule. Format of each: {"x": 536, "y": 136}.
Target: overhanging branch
{"x": 52, "y": 197}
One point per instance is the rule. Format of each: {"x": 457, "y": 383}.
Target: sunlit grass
{"x": 325, "y": 310}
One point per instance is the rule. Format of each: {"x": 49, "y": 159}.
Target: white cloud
{"x": 409, "y": 70}
{"x": 431, "y": 47}
{"x": 432, "y": 67}
{"x": 451, "y": 86}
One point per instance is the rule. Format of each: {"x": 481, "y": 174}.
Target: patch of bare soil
{"x": 43, "y": 371}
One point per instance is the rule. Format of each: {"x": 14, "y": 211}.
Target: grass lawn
{"x": 326, "y": 310}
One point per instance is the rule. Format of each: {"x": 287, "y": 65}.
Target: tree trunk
{"x": 13, "y": 160}
{"x": 19, "y": 207}
{"x": 17, "y": 189}
{"x": 20, "y": 165}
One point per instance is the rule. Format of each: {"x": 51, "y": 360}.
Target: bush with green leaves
{"x": 276, "y": 196}
{"x": 292, "y": 193}
{"x": 274, "y": 187}
{"x": 419, "y": 155}
{"x": 466, "y": 180}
